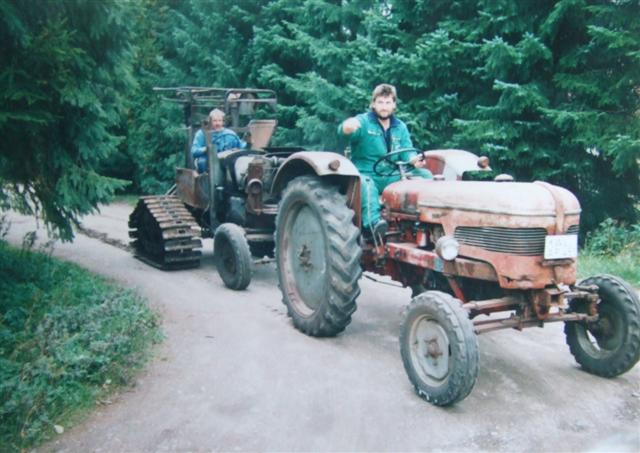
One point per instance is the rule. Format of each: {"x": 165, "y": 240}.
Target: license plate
{"x": 561, "y": 246}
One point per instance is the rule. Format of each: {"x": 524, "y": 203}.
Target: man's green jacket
{"x": 370, "y": 141}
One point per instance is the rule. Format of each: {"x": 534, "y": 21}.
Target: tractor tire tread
{"x": 343, "y": 259}
{"x": 165, "y": 234}
{"x": 235, "y": 236}
{"x": 629, "y": 304}
{"x": 463, "y": 343}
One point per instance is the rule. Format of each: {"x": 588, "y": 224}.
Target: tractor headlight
{"x": 447, "y": 248}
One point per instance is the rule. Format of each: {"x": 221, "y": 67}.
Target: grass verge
{"x": 625, "y": 266}
{"x": 68, "y": 339}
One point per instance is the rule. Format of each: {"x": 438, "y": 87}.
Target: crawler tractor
{"x": 228, "y": 200}
{"x": 478, "y": 255}
{"x": 236, "y": 200}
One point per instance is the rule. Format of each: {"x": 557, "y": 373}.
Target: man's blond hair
{"x": 384, "y": 90}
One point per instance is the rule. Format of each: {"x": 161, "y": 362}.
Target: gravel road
{"x": 234, "y": 375}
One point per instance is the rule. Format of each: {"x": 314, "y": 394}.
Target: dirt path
{"x": 234, "y": 375}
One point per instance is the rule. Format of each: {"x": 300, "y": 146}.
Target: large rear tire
{"x": 611, "y": 345}
{"x": 318, "y": 256}
{"x": 439, "y": 348}
{"x": 233, "y": 258}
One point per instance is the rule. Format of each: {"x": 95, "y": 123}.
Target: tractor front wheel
{"x": 439, "y": 348}
{"x": 318, "y": 256}
{"x": 233, "y": 258}
{"x": 611, "y": 345}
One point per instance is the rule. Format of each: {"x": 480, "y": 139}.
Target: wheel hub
{"x": 601, "y": 328}
{"x": 305, "y": 258}
{"x": 433, "y": 349}
{"x": 306, "y": 262}
{"x": 430, "y": 349}
{"x": 605, "y": 330}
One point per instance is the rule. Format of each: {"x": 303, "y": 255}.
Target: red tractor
{"x": 478, "y": 255}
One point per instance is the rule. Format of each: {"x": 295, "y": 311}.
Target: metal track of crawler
{"x": 165, "y": 234}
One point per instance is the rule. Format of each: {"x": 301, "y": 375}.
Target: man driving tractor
{"x": 372, "y": 135}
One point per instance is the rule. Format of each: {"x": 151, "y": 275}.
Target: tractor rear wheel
{"x": 233, "y": 258}
{"x": 611, "y": 345}
{"x": 439, "y": 348}
{"x": 318, "y": 256}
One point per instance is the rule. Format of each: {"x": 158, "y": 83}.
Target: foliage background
{"x": 65, "y": 75}
{"x": 548, "y": 89}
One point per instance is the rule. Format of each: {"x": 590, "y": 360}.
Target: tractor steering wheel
{"x": 398, "y": 166}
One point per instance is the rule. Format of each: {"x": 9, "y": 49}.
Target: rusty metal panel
{"x": 192, "y": 188}
{"x": 462, "y": 267}
{"x": 260, "y": 132}
{"x": 507, "y": 198}
{"x": 512, "y": 206}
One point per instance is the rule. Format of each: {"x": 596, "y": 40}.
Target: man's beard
{"x": 383, "y": 116}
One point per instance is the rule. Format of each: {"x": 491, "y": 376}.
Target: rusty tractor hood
{"x": 511, "y": 198}
{"x": 504, "y": 224}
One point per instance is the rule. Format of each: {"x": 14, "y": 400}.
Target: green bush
{"x": 67, "y": 338}
{"x": 613, "y": 238}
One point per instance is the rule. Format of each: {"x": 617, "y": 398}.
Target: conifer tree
{"x": 559, "y": 98}
{"x": 185, "y": 43}
{"x": 63, "y": 83}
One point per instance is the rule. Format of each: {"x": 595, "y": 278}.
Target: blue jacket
{"x": 223, "y": 140}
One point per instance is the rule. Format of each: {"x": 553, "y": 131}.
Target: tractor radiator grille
{"x": 516, "y": 241}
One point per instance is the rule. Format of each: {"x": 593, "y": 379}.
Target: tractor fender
{"x": 321, "y": 163}
{"x": 325, "y": 164}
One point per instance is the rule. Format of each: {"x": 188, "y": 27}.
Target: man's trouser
{"x": 371, "y": 186}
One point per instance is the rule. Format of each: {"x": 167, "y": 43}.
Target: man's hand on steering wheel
{"x": 398, "y": 166}
{"x": 418, "y": 161}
